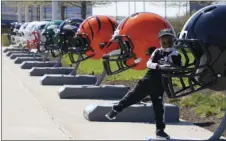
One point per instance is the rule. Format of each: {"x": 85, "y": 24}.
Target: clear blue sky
{"x": 155, "y": 7}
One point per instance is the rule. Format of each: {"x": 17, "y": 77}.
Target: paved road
{"x": 31, "y": 111}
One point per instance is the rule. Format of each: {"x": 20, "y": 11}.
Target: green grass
{"x": 91, "y": 66}
{"x": 205, "y": 105}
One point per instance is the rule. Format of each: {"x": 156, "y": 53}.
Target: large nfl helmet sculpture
{"x": 137, "y": 38}
{"x": 48, "y": 35}
{"x": 204, "y": 38}
{"x": 67, "y": 30}
{"x": 92, "y": 36}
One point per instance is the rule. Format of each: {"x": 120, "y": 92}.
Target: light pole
{"x": 19, "y": 13}
{"x": 55, "y": 10}
{"x": 134, "y": 7}
{"x": 41, "y": 12}
{"x": 165, "y": 10}
{"x": 116, "y": 9}
{"x": 129, "y": 7}
{"x": 144, "y": 6}
{"x": 26, "y": 13}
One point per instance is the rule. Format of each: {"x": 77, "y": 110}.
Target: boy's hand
{"x": 175, "y": 58}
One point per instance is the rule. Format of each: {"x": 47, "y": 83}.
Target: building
{"x": 10, "y": 14}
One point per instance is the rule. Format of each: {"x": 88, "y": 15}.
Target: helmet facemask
{"x": 47, "y": 40}
{"x": 197, "y": 72}
{"x": 204, "y": 36}
{"x": 120, "y": 56}
{"x": 80, "y": 46}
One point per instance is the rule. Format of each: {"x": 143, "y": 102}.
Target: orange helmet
{"x": 137, "y": 37}
{"x": 93, "y": 34}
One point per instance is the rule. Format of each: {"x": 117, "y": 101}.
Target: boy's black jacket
{"x": 162, "y": 57}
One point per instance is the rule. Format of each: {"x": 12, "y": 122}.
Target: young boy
{"x": 151, "y": 83}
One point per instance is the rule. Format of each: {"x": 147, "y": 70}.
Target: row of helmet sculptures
{"x": 130, "y": 43}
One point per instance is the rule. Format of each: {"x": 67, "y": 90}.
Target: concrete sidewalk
{"x": 31, "y": 111}
{"x": 22, "y": 115}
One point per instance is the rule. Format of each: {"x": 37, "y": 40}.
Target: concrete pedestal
{"x": 14, "y": 49}
{"x": 15, "y": 55}
{"x": 20, "y": 60}
{"x": 93, "y": 92}
{"x": 31, "y": 64}
{"x": 134, "y": 113}
{"x": 38, "y": 71}
{"x": 9, "y": 53}
{"x": 68, "y": 79}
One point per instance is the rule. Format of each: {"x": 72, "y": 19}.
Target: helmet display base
{"x": 31, "y": 64}
{"x": 51, "y": 79}
{"x": 15, "y": 55}
{"x": 8, "y": 49}
{"x": 58, "y": 75}
{"x": 40, "y": 71}
{"x": 136, "y": 113}
{"x": 93, "y": 92}
{"x": 9, "y": 53}
{"x": 20, "y": 60}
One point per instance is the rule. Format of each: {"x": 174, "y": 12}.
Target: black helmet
{"x": 202, "y": 43}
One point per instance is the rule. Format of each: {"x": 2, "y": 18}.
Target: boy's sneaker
{"x": 162, "y": 134}
{"x": 111, "y": 115}
{"x": 146, "y": 99}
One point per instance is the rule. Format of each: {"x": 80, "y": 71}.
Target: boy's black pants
{"x": 145, "y": 87}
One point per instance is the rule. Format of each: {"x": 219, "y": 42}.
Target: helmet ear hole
{"x": 150, "y": 50}
{"x": 102, "y": 45}
{"x": 217, "y": 61}
{"x": 203, "y": 60}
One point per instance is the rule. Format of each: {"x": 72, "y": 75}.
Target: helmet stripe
{"x": 83, "y": 28}
{"x": 91, "y": 29}
{"x": 112, "y": 24}
{"x": 99, "y": 23}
